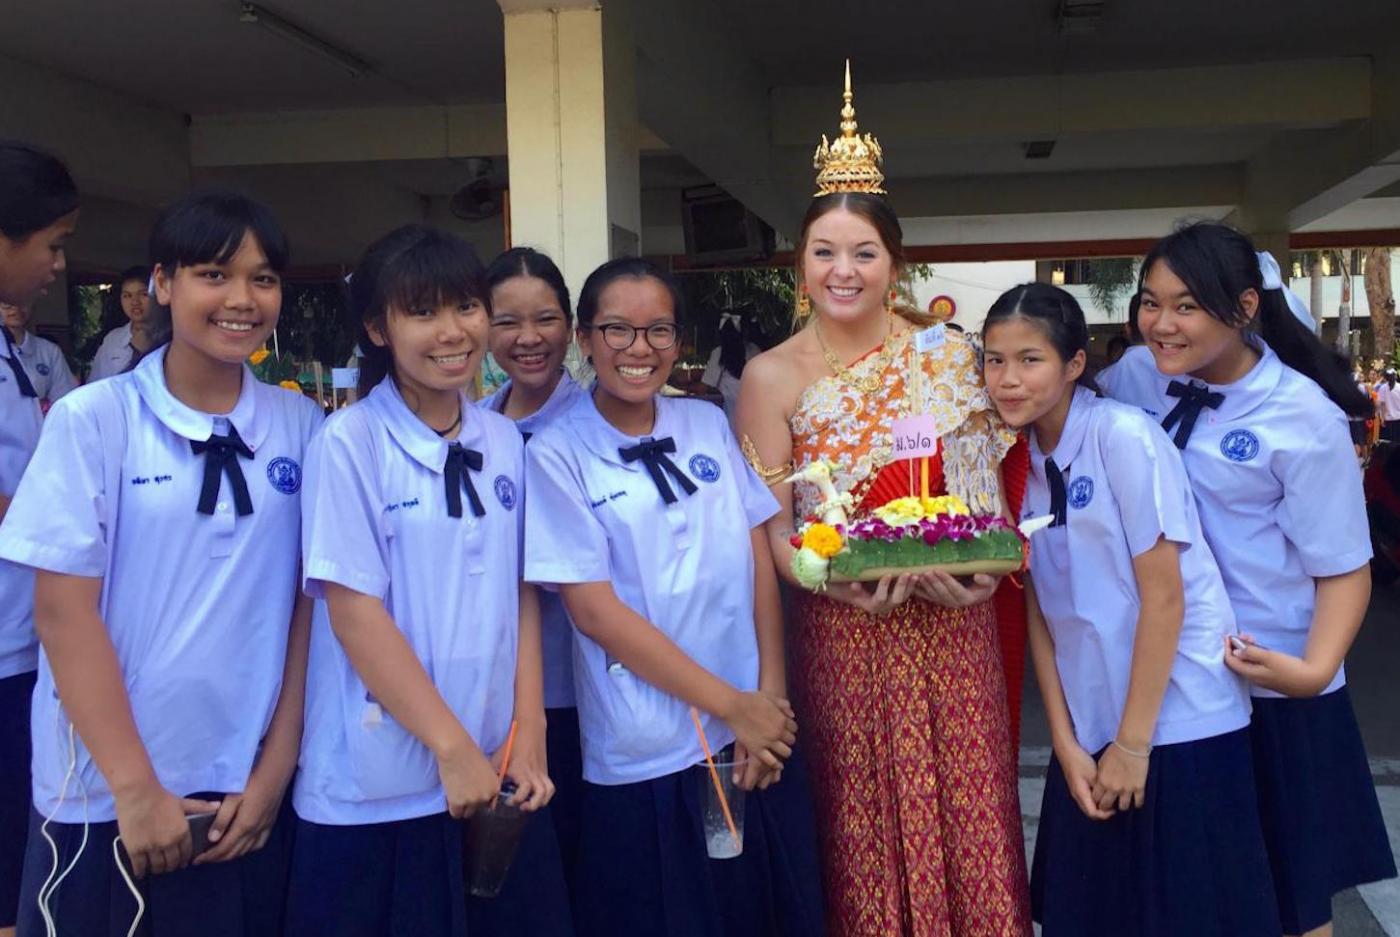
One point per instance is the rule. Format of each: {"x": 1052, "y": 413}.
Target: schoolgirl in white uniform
{"x": 1243, "y": 388}
{"x": 1148, "y": 825}
{"x": 424, "y": 645}
{"x": 44, "y": 362}
{"x": 531, "y": 328}
{"x": 124, "y": 345}
{"x": 643, "y": 513}
{"x": 162, "y": 517}
{"x": 38, "y": 211}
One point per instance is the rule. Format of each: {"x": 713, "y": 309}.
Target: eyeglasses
{"x": 619, "y": 336}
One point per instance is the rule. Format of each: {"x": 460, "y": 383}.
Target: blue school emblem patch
{"x": 42, "y": 368}
{"x": 1239, "y": 445}
{"x": 1081, "y": 491}
{"x": 505, "y": 492}
{"x": 285, "y": 475}
{"x": 704, "y": 468}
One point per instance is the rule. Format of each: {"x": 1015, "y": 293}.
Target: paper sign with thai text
{"x": 915, "y": 437}
{"x": 930, "y": 338}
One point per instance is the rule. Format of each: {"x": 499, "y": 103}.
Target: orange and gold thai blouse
{"x": 837, "y": 421}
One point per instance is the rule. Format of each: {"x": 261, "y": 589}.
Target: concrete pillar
{"x": 571, "y": 133}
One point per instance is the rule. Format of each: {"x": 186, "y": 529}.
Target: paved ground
{"x": 1372, "y": 669}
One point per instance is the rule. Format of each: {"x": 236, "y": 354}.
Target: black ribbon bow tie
{"x": 653, "y": 453}
{"x": 221, "y": 457}
{"x": 26, "y": 386}
{"x": 1059, "y": 503}
{"x": 456, "y": 475}
{"x": 1193, "y": 399}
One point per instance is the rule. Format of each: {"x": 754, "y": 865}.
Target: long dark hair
{"x": 635, "y": 268}
{"x": 1054, "y": 311}
{"x": 412, "y": 266}
{"x": 733, "y": 348}
{"x": 1217, "y": 264}
{"x": 35, "y": 190}
{"x": 207, "y": 226}
{"x": 528, "y": 262}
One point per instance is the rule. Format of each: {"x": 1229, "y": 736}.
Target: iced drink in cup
{"x": 489, "y": 843}
{"x": 720, "y": 841}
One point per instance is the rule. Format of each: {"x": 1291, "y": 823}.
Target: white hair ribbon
{"x": 1273, "y": 280}
{"x": 731, "y": 318}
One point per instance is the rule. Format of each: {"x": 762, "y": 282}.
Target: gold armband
{"x": 770, "y": 475}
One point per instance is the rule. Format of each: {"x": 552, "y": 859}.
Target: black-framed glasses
{"x": 619, "y": 336}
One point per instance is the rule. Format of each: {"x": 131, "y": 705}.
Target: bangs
{"x": 208, "y": 227}
{"x": 434, "y": 271}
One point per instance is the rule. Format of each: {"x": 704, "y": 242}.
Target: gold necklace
{"x": 872, "y": 381}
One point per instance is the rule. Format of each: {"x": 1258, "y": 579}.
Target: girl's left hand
{"x": 755, "y": 775}
{"x": 244, "y": 821}
{"x": 946, "y": 590}
{"x": 528, "y": 768}
{"x": 1121, "y": 781}
{"x": 1274, "y": 670}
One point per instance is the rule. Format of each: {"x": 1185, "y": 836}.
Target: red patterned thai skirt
{"x": 905, "y": 725}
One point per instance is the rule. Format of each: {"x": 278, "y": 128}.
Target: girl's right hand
{"x": 890, "y": 593}
{"x": 1080, "y": 772}
{"x": 468, "y": 779}
{"x": 153, "y": 829}
{"x": 765, "y": 726}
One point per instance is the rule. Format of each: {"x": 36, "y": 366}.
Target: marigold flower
{"x": 258, "y": 357}
{"x": 289, "y": 385}
{"x": 823, "y": 540}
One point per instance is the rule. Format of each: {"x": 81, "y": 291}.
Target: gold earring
{"x": 804, "y": 304}
{"x": 889, "y": 305}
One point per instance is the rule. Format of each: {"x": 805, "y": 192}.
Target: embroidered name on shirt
{"x": 152, "y": 480}
{"x": 612, "y": 497}
{"x": 410, "y": 503}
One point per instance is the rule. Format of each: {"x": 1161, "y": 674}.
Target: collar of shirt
{"x": 250, "y": 420}
{"x": 1243, "y": 395}
{"x": 415, "y": 437}
{"x": 603, "y": 439}
{"x": 1071, "y": 436}
{"x": 559, "y": 401}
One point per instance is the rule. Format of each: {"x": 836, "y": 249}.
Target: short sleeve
{"x": 61, "y": 379}
{"x": 59, "y": 516}
{"x": 342, "y": 537}
{"x": 759, "y": 503}
{"x": 1148, "y": 480}
{"x": 1323, "y": 509}
{"x": 564, "y": 540}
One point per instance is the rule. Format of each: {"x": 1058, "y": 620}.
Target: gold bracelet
{"x": 1123, "y": 748}
{"x": 770, "y": 475}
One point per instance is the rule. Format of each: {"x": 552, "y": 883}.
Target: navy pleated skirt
{"x": 1191, "y": 860}
{"x": 644, "y": 868}
{"x": 565, "y": 756}
{"x": 404, "y": 879}
{"x": 1317, "y": 802}
{"x": 15, "y": 695}
{"x": 242, "y": 898}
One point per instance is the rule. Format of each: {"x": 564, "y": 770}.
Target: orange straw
{"x": 505, "y": 759}
{"x": 714, "y": 777}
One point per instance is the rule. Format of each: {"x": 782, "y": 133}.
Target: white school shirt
{"x": 1389, "y": 398}
{"x": 20, "y": 422}
{"x": 197, "y": 606}
{"x": 556, "y": 630}
{"x": 687, "y": 568}
{"x": 376, "y": 521}
{"x": 1278, "y": 488}
{"x": 1126, "y": 488}
{"x": 47, "y": 368}
{"x": 113, "y": 355}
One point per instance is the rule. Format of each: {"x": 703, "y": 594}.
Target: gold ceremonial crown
{"x": 852, "y": 162}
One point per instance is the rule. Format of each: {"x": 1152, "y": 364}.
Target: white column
{"x": 571, "y": 133}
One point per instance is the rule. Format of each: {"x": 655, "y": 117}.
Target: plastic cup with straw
{"x": 492, "y": 835}
{"x": 717, "y": 803}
